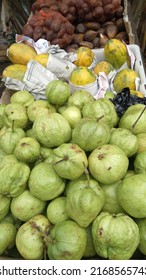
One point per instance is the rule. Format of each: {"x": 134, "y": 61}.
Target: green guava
{"x": 131, "y": 195}
{"x": 27, "y": 150}
{"x": 90, "y": 133}
{"x": 101, "y": 108}
{"x": 142, "y": 231}
{"x": 140, "y": 162}
{"x": 9, "y": 139}
{"x": 79, "y": 98}
{"x": 111, "y": 203}
{"x": 115, "y": 236}
{"x": 4, "y": 206}
{"x": 23, "y": 97}
{"x": 57, "y": 92}
{"x": 2, "y": 109}
{"x": 134, "y": 119}
{"x": 38, "y": 108}
{"x": 141, "y": 138}
{"x": 73, "y": 115}
{"x": 44, "y": 182}
{"x": 31, "y": 238}
{"x": 15, "y": 115}
{"x": 108, "y": 164}
{"x": 7, "y": 236}
{"x": 69, "y": 161}
{"x": 85, "y": 199}
{"x": 13, "y": 178}
{"x": 52, "y": 130}
{"x": 124, "y": 139}
{"x": 26, "y": 206}
{"x": 56, "y": 210}
{"x": 90, "y": 249}
{"x": 67, "y": 241}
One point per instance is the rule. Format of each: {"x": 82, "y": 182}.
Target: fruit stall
{"x": 73, "y": 133}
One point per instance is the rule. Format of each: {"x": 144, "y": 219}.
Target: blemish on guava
{"x": 101, "y": 232}
{"x": 100, "y": 156}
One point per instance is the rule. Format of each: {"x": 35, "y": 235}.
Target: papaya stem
{"x": 139, "y": 117}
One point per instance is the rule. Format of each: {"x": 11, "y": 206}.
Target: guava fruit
{"x": 57, "y": 92}
{"x": 7, "y": 159}
{"x": 13, "y": 178}
{"x": 142, "y": 231}
{"x": 2, "y": 109}
{"x": 134, "y": 119}
{"x": 15, "y": 115}
{"x": 124, "y": 139}
{"x": 25, "y": 206}
{"x": 9, "y": 139}
{"x": 67, "y": 241}
{"x": 79, "y": 98}
{"x": 30, "y": 133}
{"x": 140, "y": 162}
{"x": 4, "y": 206}
{"x": 111, "y": 203}
{"x": 73, "y": 115}
{"x": 85, "y": 199}
{"x": 44, "y": 182}
{"x": 56, "y": 210}
{"x": 131, "y": 195}
{"x": 141, "y": 138}
{"x": 90, "y": 249}
{"x": 115, "y": 236}
{"x": 23, "y": 97}
{"x": 2, "y": 155}
{"x": 52, "y": 130}
{"x": 108, "y": 164}
{"x": 69, "y": 161}
{"x": 31, "y": 238}
{"x": 7, "y": 236}
{"x": 90, "y": 133}
{"x": 101, "y": 108}
{"x": 38, "y": 108}
{"x": 27, "y": 150}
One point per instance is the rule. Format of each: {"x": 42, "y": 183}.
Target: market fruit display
{"x": 72, "y": 177}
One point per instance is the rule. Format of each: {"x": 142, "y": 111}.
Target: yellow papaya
{"x": 20, "y": 53}
{"x": 103, "y": 66}
{"x": 82, "y": 75}
{"x": 115, "y": 52}
{"x": 14, "y": 71}
{"x": 41, "y": 58}
{"x": 85, "y": 57}
{"x": 125, "y": 78}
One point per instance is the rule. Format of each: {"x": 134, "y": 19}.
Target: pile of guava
{"x": 72, "y": 177}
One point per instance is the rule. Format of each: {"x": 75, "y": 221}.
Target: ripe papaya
{"x": 82, "y": 75}
{"x": 42, "y": 58}
{"x": 125, "y": 78}
{"x": 103, "y": 66}
{"x": 14, "y": 71}
{"x": 115, "y": 52}
{"x": 20, "y": 53}
{"x": 85, "y": 57}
